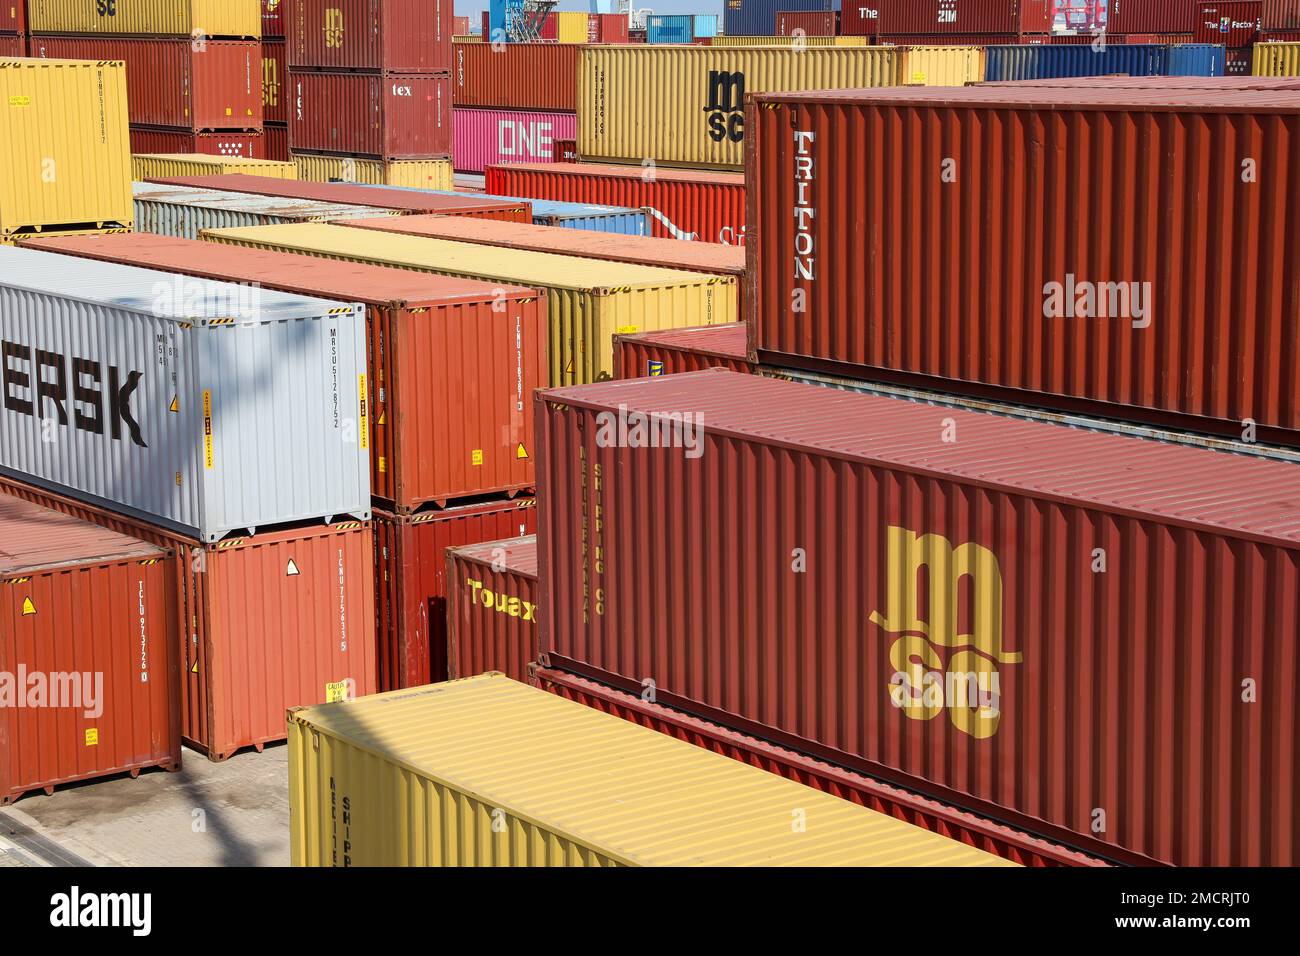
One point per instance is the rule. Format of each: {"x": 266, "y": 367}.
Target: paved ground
{"x": 228, "y": 814}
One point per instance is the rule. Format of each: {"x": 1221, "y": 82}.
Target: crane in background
{"x": 520, "y": 21}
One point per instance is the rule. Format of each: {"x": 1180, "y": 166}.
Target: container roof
{"x": 1236, "y": 494}
{"x": 661, "y": 174}
{"x": 730, "y": 340}
{"x": 541, "y": 207}
{"x": 518, "y": 554}
{"x": 251, "y": 202}
{"x": 34, "y": 538}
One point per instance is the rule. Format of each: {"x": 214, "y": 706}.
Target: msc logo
{"x": 270, "y": 83}
{"x": 33, "y": 379}
{"x": 726, "y": 106}
{"x": 106, "y": 8}
{"x": 947, "y": 630}
{"x": 333, "y": 27}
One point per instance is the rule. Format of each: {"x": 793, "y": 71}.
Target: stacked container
{"x": 13, "y": 26}
{"x": 957, "y": 21}
{"x": 275, "y": 81}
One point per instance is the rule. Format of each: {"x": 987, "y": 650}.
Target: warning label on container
{"x": 20, "y": 101}
{"x": 209, "y": 459}
{"x": 365, "y": 412}
{"x": 92, "y": 736}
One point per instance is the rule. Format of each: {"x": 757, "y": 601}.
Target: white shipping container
{"x": 204, "y": 407}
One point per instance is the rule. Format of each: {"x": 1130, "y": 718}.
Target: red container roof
{"x": 662, "y": 173}
{"x": 33, "y": 538}
{"x": 731, "y": 340}
{"x": 518, "y": 554}
{"x": 1235, "y": 494}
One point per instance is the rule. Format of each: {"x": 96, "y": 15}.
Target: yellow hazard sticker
{"x": 336, "y": 691}
{"x": 365, "y": 412}
{"x": 209, "y": 459}
{"x": 28, "y": 607}
{"x": 521, "y": 452}
{"x": 627, "y": 329}
{"x": 383, "y": 465}
{"x": 476, "y": 456}
{"x": 92, "y": 736}
{"x": 195, "y": 668}
{"x": 20, "y": 101}
{"x": 175, "y": 405}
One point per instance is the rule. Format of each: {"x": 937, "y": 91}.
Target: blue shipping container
{"x": 1197, "y": 59}
{"x": 706, "y": 25}
{"x": 674, "y": 29}
{"x": 758, "y": 17}
{"x": 623, "y": 221}
{"x": 1051, "y": 62}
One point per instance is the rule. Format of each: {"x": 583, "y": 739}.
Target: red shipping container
{"x": 636, "y": 36}
{"x": 1056, "y": 307}
{"x": 550, "y": 28}
{"x": 388, "y": 116}
{"x": 1234, "y": 23}
{"x": 149, "y": 140}
{"x": 88, "y": 649}
{"x": 813, "y": 23}
{"x": 13, "y": 46}
{"x": 902, "y": 805}
{"x": 273, "y": 15}
{"x": 411, "y": 579}
{"x": 13, "y": 16}
{"x": 452, "y": 361}
{"x": 525, "y": 76}
{"x": 1045, "y": 625}
{"x": 275, "y": 142}
{"x": 963, "y": 39}
{"x": 283, "y": 619}
{"x": 948, "y": 16}
{"x": 392, "y": 36}
{"x": 492, "y": 609}
{"x": 357, "y": 194}
{"x": 607, "y": 28}
{"x": 174, "y": 81}
{"x": 683, "y": 203}
{"x": 1152, "y": 16}
{"x": 671, "y": 351}
{"x": 1281, "y": 14}
{"x": 275, "y": 97}
{"x": 564, "y": 151}
{"x": 1238, "y": 61}
{"x": 460, "y": 26}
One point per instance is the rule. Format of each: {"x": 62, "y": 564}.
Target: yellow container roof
{"x": 621, "y": 789}
{"x": 465, "y": 258}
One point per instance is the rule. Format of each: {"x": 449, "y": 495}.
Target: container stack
{"x": 370, "y": 91}
{"x": 275, "y": 79}
{"x": 192, "y": 68}
{"x": 13, "y": 28}
{"x": 681, "y": 28}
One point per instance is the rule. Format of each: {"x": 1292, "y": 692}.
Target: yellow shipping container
{"x": 1276, "y": 59}
{"x": 213, "y": 18}
{"x": 684, "y": 105}
{"x": 571, "y": 28}
{"x": 157, "y": 165}
{"x": 65, "y": 149}
{"x": 741, "y": 40}
{"x": 589, "y": 301}
{"x": 467, "y": 38}
{"x": 490, "y": 772}
{"x": 940, "y": 65}
{"x": 418, "y": 173}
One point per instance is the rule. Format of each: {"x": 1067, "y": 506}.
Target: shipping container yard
{"x": 792, "y": 434}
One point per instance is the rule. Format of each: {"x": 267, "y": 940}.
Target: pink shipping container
{"x": 673, "y": 351}
{"x": 683, "y": 203}
{"x": 275, "y": 78}
{"x": 275, "y": 142}
{"x": 483, "y": 137}
{"x": 813, "y": 23}
{"x": 1055, "y": 304}
{"x": 388, "y": 116}
{"x": 148, "y": 140}
{"x": 1047, "y": 626}
{"x": 1234, "y": 23}
{"x": 170, "y": 82}
{"x": 1152, "y": 16}
{"x": 273, "y": 16}
{"x": 948, "y": 16}
{"x": 394, "y": 36}
{"x": 492, "y": 608}
{"x": 517, "y": 76}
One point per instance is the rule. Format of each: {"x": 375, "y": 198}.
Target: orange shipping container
{"x": 521, "y": 76}
{"x": 492, "y": 608}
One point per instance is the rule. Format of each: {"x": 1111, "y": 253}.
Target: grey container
{"x": 204, "y": 407}
{"x": 185, "y": 211}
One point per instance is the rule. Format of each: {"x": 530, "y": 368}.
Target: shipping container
{"x": 151, "y": 141}
{"x": 507, "y": 76}
{"x": 954, "y": 823}
{"x": 607, "y": 28}
{"x": 999, "y": 668}
{"x": 1234, "y": 23}
{"x": 1057, "y": 310}
{"x": 89, "y": 649}
{"x": 940, "y": 65}
{"x": 451, "y": 361}
{"x": 400, "y": 200}
{"x": 13, "y": 46}
{"x": 492, "y": 608}
{"x": 697, "y": 116}
{"x": 1238, "y": 61}
{"x": 561, "y": 215}
{"x": 415, "y": 173}
{"x": 487, "y": 771}
{"x": 954, "y": 16}
{"x": 459, "y": 26}
{"x": 379, "y": 116}
{"x": 69, "y": 116}
{"x": 1152, "y": 16}
{"x": 587, "y": 301}
{"x": 1196, "y": 59}
{"x": 410, "y": 552}
{"x": 173, "y": 82}
{"x": 728, "y": 40}
{"x": 275, "y": 142}
{"x": 570, "y": 27}
{"x": 155, "y": 18}
{"x": 483, "y": 136}
{"x": 391, "y": 36}
{"x": 810, "y": 23}
{"x": 176, "y": 415}
{"x": 465, "y": 37}
{"x": 758, "y": 17}
{"x": 1024, "y": 62}
{"x": 565, "y": 151}
{"x": 965, "y": 39}
{"x": 672, "y": 351}
{"x": 678, "y": 28}
{"x": 1281, "y": 14}
{"x": 13, "y": 16}
{"x": 682, "y": 203}
{"x": 183, "y": 212}
{"x": 275, "y": 74}
{"x": 273, "y": 17}
{"x": 155, "y": 166}
{"x": 1276, "y": 59}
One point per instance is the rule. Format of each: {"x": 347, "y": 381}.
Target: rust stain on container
{"x": 671, "y": 351}
{"x": 492, "y": 608}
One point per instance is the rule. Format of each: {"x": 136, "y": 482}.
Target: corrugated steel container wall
{"x": 211, "y": 18}
{"x": 156, "y": 166}
{"x": 607, "y": 28}
{"x": 402, "y": 36}
{"x": 483, "y": 137}
{"x": 13, "y": 16}
{"x": 460, "y": 26}
{"x": 69, "y": 116}
{"x": 679, "y": 28}
{"x": 706, "y": 26}
{"x": 860, "y": 19}
{"x": 389, "y": 116}
{"x": 415, "y": 173}
{"x": 1042, "y": 561}
{"x": 930, "y": 815}
{"x": 492, "y": 608}
{"x": 183, "y": 213}
{"x": 758, "y": 17}
{"x": 147, "y": 140}
{"x": 13, "y": 46}
{"x": 200, "y": 433}
{"x": 1281, "y": 14}
{"x": 275, "y": 76}
{"x": 674, "y": 351}
{"x": 587, "y": 301}
{"x": 505, "y": 76}
{"x": 586, "y": 217}
{"x": 940, "y": 65}
{"x": 1193, "y": 361}
{"x": 275, "y": 142}
{"x": 1234, "y": 23}
{"x": 434, "y": 345}
{"x": 683, "y": 204}
{"x": 1276, "y": 59}
{"x": 1196, "y": 59}
{"x": 410, "y": 576}
{"x": 566, "y": 151}
{"x": 1238, "y": 62}
{"x": 487, "y": 771}
{"x": 812, "y": 23}
{"x": 727, "y": 40}
{"x": 955, "y": 16}
{"x": 94, "y": 613}
{"x": 273, "y": 16}
{"x": 697, "y": 116}
{"x": 1023, "y": 62}
{"x": 1145, "y": 16}
{"x": 173, "y": 82}
{"x": 570, "y": 27}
